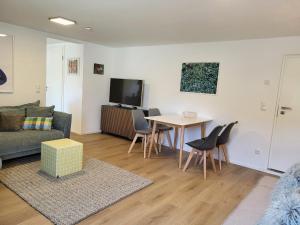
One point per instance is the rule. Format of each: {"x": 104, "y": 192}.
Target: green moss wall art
{"x": 199, "y": 77}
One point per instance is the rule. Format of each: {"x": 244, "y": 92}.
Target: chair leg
{"x": 204, "y": 165}
{"x": 189, "y": 160}
{"x": 201, "y": 160}
{"x": 133, "y": 143}
{"x": 145, "y": 146}
{"x": 197, "y": 158}
{"x": 224, "y": 148}
{"x": 169, "y": 140}
{"x": 219, "y": 158}
{"x": 155, "y": 145}
{"x": 161, "y": 140}
{"x": 212, "y": 160}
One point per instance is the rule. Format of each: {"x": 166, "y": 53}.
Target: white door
{"x": 285, "y": 148}
{"x": 54, "y": 77}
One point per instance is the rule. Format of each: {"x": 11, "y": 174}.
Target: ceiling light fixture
{"x": 88, "y": 28}
{"x": 3, "y": 35}
{"x": 62, "y": 21}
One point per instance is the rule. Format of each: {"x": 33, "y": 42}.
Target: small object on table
{"x": 188, "y": 114}
{"x": 61, "y": 157}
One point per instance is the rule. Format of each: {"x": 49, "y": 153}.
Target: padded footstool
{"x": 61, "y": 157}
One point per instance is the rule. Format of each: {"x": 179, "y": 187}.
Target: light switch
{"x": 263, "y": 106}
{"x": 267, "y": 82}
{"x": 37, "y": 88}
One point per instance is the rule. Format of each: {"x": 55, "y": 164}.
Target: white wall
{"x": 95, "y": 87}
{"x": 30, "y": 74}
{"x": 29, "y": 66}
{"x": 244, "y": 66}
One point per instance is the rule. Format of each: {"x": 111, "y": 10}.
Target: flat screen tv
{"x": 126, "y": 91}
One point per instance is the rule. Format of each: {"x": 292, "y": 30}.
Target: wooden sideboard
{"x": 117, "y": 121}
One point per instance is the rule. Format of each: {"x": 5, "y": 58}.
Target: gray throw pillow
{"x": 11, "y": 121}
{"x": 18, "y": 111}
{"x": 40, "y": 111}
{"x": 31, "y": 104}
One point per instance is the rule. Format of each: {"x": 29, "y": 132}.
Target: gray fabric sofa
{"x": 28, "y": 142}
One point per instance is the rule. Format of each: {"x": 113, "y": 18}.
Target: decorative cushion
{"x": 40, "y": 111}
{"x": 11, "y": 121}
{"x": 31, "y": 104}
{"x": 285, "y": 202}
{"x": 16, "y": 111}
{"x": 285, "y": 210}
{"x": 38, "y": 123}
{"x": 294, "y": 170}
{"x": 286, "y": 184}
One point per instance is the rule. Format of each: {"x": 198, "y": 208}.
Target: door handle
{"x": 286, "y": 108}
{"x": 283, "y": 109}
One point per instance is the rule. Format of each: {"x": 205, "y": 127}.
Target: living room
{"x": 255, "y": 46}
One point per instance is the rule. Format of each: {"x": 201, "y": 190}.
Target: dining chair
{"x": 162, "y": 129}
{"x": 204, "y": 147}
{"x": 222, "y": 141}
{"x": 142, "y": 129}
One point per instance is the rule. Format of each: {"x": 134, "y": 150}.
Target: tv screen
{"x": 126, "y": 91}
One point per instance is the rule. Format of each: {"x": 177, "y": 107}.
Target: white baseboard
{"x": 250, "y": 166}
{"x": 85, "y": 133}
{"x": 92, "y": 132}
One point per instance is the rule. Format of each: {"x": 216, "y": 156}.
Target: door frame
{"x": 62, "y": 73}
{"x": 275, "y": 120}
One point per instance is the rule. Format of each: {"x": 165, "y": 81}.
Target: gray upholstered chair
{"x": 162, "y": 129}
{"x": 204, "y": 147}
{"x": 142, "y": 129}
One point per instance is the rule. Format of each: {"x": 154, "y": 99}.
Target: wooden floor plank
{"x": 174, "y": 198}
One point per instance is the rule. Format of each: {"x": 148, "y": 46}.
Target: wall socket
{"x": 257, "y": 152}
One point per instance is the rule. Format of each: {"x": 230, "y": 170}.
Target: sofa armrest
{"x": 62, "y": 121}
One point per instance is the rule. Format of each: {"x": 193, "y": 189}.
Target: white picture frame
{"x": 7, "y": 64}
{"x": 73, "y": 66}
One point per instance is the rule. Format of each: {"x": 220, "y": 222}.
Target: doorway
{"x": 64, "y": 79}
{"x": 285, "y": 146}
{"x": 55, "y": 74}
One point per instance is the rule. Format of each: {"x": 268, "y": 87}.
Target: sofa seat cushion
{"x": 25, "y": 140}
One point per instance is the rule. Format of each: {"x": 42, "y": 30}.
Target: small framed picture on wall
{"x": 73, "y": 66}
{"x": 98, "y": 69}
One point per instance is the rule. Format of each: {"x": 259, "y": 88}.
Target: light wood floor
{"x": 175, "y": 198}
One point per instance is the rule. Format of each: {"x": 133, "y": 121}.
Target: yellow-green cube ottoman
{"x": 61, "y": 157}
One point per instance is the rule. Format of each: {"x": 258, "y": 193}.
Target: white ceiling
{"x": 151, "y": 22}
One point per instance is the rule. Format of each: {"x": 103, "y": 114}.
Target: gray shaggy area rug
{"x": 70, "y": 199}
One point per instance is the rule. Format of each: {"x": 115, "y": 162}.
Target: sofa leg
{"x": 0, "y": 163}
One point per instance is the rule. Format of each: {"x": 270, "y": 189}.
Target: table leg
{"x": 175, "y": 138}
{"x": 203, "y": 129}
{"x": 152, "y": 138}
{"x": 181, "y": 145}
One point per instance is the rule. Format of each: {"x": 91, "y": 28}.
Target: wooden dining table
{"x": 178, "y": 122}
